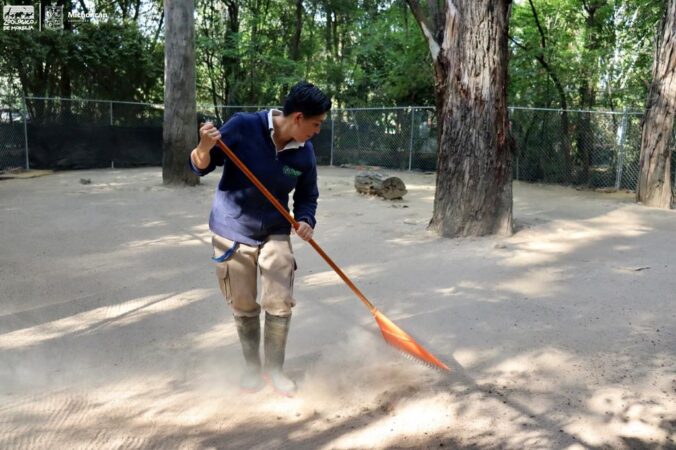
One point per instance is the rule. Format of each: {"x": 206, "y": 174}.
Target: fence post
{"x": 509, "y": 121}
{"x": 333, "y": 136}
{"x": 410, "y": 144}
{"x": 111, "y": 114}
{"x": 25, "y": 131}
{"x": 620, "y": 150}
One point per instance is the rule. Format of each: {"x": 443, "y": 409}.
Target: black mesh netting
{"x": 89, "y": 147}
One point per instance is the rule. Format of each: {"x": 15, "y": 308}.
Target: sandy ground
{"x": 113, "y": 333}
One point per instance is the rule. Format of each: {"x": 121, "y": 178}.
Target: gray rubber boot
{"x": 276, "y": 332}
{"x": 249, "y": 331}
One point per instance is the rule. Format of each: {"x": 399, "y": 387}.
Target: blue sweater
{"x": 240, "y": 212}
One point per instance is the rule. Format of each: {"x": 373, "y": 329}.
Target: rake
{"x": 392, "y": 334}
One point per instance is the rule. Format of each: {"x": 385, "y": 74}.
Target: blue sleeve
{"x": 306, "y": 194}
{"x": 230, "y": 134}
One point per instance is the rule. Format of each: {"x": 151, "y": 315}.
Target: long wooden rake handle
{"x": 294, "y": 223}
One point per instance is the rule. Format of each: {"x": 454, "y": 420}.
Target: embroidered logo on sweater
{"x": 290, "y": 172}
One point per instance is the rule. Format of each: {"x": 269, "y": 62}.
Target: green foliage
{"x": 115, "y": 61}
{"x": 585, "y": 54}
{"x": 366, "y": 52}
{"x": 362, "y": 52}
{"x": 602, "y": 47}
{"x": 393, "y": 65}
{"x": 112, "y": 61}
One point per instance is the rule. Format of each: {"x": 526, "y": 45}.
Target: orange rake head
{"x": 401, "y": 340}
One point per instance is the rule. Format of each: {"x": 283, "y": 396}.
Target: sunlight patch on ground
{"x": 630, "y": 415}
{"x": 180, "y": 240}
{"x": 468, "y": 358}
{"x": 204, "y": 228}
{"x": 326, "y": 278}
{"x": 73, "y": 418}
{"x": 330, "y": 277}
{"x": 549, "y": 245}
{"x": 540, "y": 283}
{"x": 154, "y": 223}
{"x": 413, "y": 417}
{"x": 414, "y": 239}
{"x": 333, "y": 300}
{"x": 110, "y": 315}
{"x": 472, "y": 285}
{"x": 214, "y": 337}
{"x": 536, "y": 378}
{"x": 548, "y": 360}
{"x": 419, "y": 187}
{"x": 447, "y": 292}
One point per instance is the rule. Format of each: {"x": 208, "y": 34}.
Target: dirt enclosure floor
{"x": 113, "y": 333}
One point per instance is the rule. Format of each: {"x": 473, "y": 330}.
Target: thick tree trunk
{"x": 474, "y": 180}
{"x": 654, "y": 186}
{"x": 180, "y": 117}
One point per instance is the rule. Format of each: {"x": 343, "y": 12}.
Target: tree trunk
{"x": 66, "y": 83}
{"x": 654, "y": 185}
{"x": 474, "y": 169}
{"x": 180, "y": 127}
{"x": 231, "y": 64}
{"x": 294, "y": 50}
{"x": 565, "y": 123}
{"x": 585, "y": 132}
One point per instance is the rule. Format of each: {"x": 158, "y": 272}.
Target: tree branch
{"x": 537, "y": 22}
{"x": 435, "y": 47}
{"x": 159, "y": 28}
{"x": 519, "y": 44}
{"x": 550, "y": 72}
{"x": 84, "y": 7}
{"x": 137, "y": 10}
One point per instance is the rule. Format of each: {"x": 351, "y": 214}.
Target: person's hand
{"x": 304, "y": 231}
{"x": 209, "y": 134}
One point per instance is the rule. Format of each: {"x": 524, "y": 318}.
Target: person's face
{"x": 305, "y": 128}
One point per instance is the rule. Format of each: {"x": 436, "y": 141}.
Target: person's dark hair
{"x": 306, "y": 98}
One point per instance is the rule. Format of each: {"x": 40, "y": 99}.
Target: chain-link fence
{"x": 587, "y": 148}
{"x": 598, "y": 149}
{"x": 399, "y": 138}
{"x": 583, "y": 148}
{"x": 595, "y": 149}
{"x": 83, "y": 134}
{"x": 13, "y": 149}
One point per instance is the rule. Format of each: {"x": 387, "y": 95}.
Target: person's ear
{"x": 297, "y": 117}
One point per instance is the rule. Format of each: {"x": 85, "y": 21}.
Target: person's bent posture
{"x": 249, "y": 234}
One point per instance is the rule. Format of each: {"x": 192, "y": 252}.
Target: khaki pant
{"x": 237, "y": 275}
